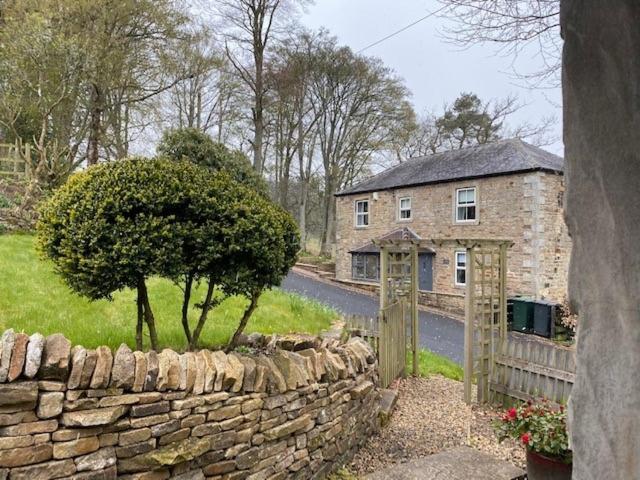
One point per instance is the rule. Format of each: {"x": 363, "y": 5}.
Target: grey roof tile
{"x": 497, "y": 158}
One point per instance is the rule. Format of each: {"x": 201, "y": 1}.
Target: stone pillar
{"x": 601, "y": 89}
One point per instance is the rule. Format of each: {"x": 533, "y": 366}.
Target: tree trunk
{"x": 328, "y": 231}
{"x": 243, "y": 322}
{"x": 95, "y": 125}
{"x": 186, "y": 298}
{"x": 139, "y": 324}
{"x": 206, "y": 307}
{"x": 258, "y": 114}
{"x": 302, "y": 215}
{"x": 143, "y": 297}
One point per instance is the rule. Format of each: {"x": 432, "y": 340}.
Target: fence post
{"x": 414, "y": 307}
{"x": 468, "y": 324}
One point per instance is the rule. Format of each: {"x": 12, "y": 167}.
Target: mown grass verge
{"x": 33, "y": 298}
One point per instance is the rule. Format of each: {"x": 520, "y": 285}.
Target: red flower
{"x": 512, "y": 413}
{"x": 526, "y": 438}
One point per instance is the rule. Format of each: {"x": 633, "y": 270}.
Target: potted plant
{"x": 542, "y": 429}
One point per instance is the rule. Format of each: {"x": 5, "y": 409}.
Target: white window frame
{"x": 456, "y": 268}
{"x": 457, "y": 205}
{"x": 400, "y": 209}
{"x": 361, "y": 215}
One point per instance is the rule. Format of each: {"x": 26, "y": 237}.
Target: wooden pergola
{"x": 399, "y": 283}
{"x": 485, "y": 325}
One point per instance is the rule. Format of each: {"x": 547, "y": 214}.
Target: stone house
{"x": 505, "y": 190}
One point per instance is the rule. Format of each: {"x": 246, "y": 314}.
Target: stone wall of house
{"x": 295, "y": 408}
{"x": 520, "y": 207}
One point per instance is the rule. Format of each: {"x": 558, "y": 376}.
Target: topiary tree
{"x": 198, "y": 147}
{"x": 116, "y": 224}
{"x": 241, "y": 243}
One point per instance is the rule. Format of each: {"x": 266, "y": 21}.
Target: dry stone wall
{"x": 297, "y": 407}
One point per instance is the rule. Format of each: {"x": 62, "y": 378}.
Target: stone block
{"x": 98, "y": 460}
{"x": 30, "y": 428}
{"x": 151, "y": 377}
{"x": 301, "y": 423}
{"x": 45, "y": 471}
{"x": 176, "y": 436}
{"x": 134, "y": 436}
{"x": 56, "y": 356}
{"x": 6, "y": 348}
{"x": 88, "y": 368}
{"x": 110, "y": 473}
{"x": 17, "y": 457}
{"x": 165, "y": 428}
{"x": 173, "y": 454}
{"x": 15, "y": 397}
{"x": 33, "y": 356}
{"x": 93, "y": 418}
{"x": 75, "y": 448}
{"x": 102, "y": 372}
{"x": 123, "y": 370}
{"x": 78, "y": 357}
{"x": 140, "y": 371}
{"x": 18, "y": 356}
{"x": 50, "y": 404}
{"x": 150, "y": 409}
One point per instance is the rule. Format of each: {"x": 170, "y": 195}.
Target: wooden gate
{"x": 392, "y": 354}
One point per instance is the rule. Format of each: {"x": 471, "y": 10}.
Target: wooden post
{"x": 414, "y": 307}
{"x": 384, "y": 271}
{"x": 503, "y": 292}
{"x": 468, "y": 324}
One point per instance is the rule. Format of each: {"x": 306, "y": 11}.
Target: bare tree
{"x": 513, "y": 25}
{"x": 250, "y": 28}
{"x": 359, "y": 105}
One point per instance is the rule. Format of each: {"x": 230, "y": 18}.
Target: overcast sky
{"x": 435, "y": 70}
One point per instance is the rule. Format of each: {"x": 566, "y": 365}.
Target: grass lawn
{"x": 430, "y": 363}
{"x": 34, "y": 299}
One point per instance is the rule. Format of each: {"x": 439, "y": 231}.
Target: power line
{"x": 378, "y": 42}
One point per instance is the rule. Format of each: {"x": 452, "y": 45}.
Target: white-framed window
{"x": 404, "y": 208}
{"x": 466, "y": 205}
{"x": 461, "y": 268}
{"x": 362, "y": 213}
{"x": 365, "y": 266}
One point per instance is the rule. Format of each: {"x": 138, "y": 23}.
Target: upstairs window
{"x": 362, "y": 213}
{"x": 466, "y": 210}
{"x": 404, "y": 208}
{"x": 461, "y": 269}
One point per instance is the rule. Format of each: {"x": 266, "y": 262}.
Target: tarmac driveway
{"x": 438, "y": 333}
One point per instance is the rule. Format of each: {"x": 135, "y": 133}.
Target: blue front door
{"x": 425, "y": 271}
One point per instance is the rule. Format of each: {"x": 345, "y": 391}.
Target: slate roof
{"x": 404, "y": 233}
{"x": 498, "y": 158}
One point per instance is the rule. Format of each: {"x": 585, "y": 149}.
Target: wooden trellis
{"x": 398, "y": 297}
{"x": 485, "y": 327}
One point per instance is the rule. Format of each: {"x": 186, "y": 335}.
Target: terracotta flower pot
{"x": 540, "y": 467}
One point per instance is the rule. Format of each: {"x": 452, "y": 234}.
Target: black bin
{"x": 544, "y": 318}
{"x": 522, "y": 315}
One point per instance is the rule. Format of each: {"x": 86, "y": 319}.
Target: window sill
{"x": 466, "y": 222}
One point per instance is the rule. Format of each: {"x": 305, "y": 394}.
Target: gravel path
{"x": 440, "y": 334}
{"x": 431, "y": 416}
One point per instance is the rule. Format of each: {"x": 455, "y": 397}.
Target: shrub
{"x": 198, "y": 147}
{"x": 117, "y": 224}
{"x": 241, "y": 242}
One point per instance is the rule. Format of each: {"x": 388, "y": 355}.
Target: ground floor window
{"x": 365, "y": 266}
{"x": 461, "y": 268}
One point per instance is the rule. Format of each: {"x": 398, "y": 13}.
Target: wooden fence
{"x": 392, "y": 356}
{"x": 387, "y": 334}
{"x": 12, "y": 162}
{"x": 529, "y": 368}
